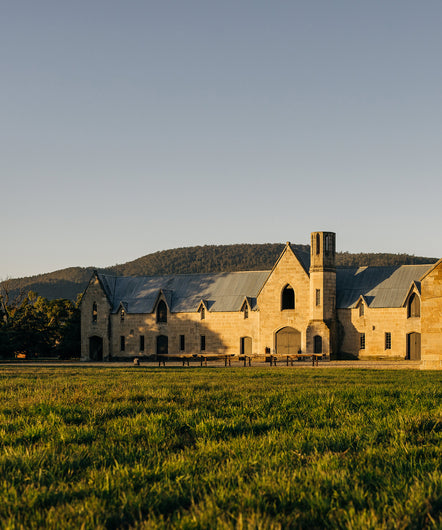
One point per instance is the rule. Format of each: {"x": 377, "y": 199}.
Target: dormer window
{"x": 361, "y": 309}
{"x": 94, "y": 312}
{"x": 246, "y": 311}
{"x": 202, "y": 312}
{"x": 122, "y": 314}
{"x": 414, "y": 306}
{"x": 287, "y": 298}
{"x": 162, "y": 312}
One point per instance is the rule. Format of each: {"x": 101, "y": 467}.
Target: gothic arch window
{"x": 161, "y": 311}
{"x": 414, "y": 306}
{"x": 94, "y": 312}
{"x": 287, "y": 298}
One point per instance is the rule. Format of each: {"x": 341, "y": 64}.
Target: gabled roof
{"x": 414, "y": 287}
{"x": 184, "y": 293}
{"x": 303, "y": 257}
{"x": 380, "y": 286}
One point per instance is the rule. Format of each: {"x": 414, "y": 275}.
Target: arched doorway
{"x": 162, "y": 345}
{"x": 317, "y": 344}
{"x": 287, "y": 341}
{"x": 414, "y": 346}
{"x": 246, "y": 345}
{"x": 95, "y": 348}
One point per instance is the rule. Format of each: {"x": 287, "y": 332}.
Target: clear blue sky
{"x": 134, "y": 126}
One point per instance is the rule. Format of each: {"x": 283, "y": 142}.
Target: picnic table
{"x": 201, "y": 357}
{"x": 295, "y": 356}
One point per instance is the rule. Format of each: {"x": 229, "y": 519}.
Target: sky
{"x": 132, "y": 126}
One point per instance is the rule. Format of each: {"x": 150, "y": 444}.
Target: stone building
{"x": 304, "y": 304}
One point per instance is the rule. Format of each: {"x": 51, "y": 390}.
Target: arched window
{"x": 202, "y": 312}
{"x": 94, "y": 312}
{"x": 161, "y": 311}
{"x": 288, "y": 298}
{"x": 245, "y": 310}
{"x": 414, "y": 306}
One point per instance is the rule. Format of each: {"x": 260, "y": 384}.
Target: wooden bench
{"x": 247, "y": 359}
{"x": 204, "y": 357}
{"x": 184, "y": 357}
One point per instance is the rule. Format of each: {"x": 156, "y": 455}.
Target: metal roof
{"x": 183, "y": 293}
{"x": 380, "y": 286}
{"x": 303, "y": 256}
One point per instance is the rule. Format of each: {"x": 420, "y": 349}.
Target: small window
{"x": 318, "y": 296}
{"x": 122, "y": 343}
{"x": 202, "y": 312}
{"x": 388, "y": 340}
{"x": 162, "y": 311}
{"x": 362, "y": 310}
{"x": 141, "y": 342}
{"x": 203, "y": 343}
{"x": 362, "y": 341}
{"x": 246, "y": 311}
{"x": 327, "y": 243}
{"x": 318, "y": 244}
{"x": 182, "y": 343}
{"x": 288, "y": 298}
{"x": 122, "y": 315}
{"x": 94, "y": 312}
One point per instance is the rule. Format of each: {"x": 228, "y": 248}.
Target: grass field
{"x": 220, "y": 448}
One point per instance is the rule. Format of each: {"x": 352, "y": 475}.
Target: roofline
{"x": 412, "y": 287}
{"x": 287, "y": 246}
{"x": 429, "y": 271}
{"x": 97, "y": 275}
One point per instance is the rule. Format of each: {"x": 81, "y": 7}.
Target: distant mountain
{"x": 69, "y": 283}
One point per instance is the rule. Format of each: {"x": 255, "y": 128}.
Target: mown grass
{"x": 220, "y": 448}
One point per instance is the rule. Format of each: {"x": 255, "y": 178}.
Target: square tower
{"x": 323, "y": 276}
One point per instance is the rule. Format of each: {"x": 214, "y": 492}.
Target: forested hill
{"x": 68, "y": 283}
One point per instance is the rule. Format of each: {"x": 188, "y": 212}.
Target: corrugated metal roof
{"x": 380, "y": 286}
{"x": 183, "y": 293}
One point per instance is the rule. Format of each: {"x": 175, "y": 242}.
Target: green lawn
{"x": 220, "y": 448}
